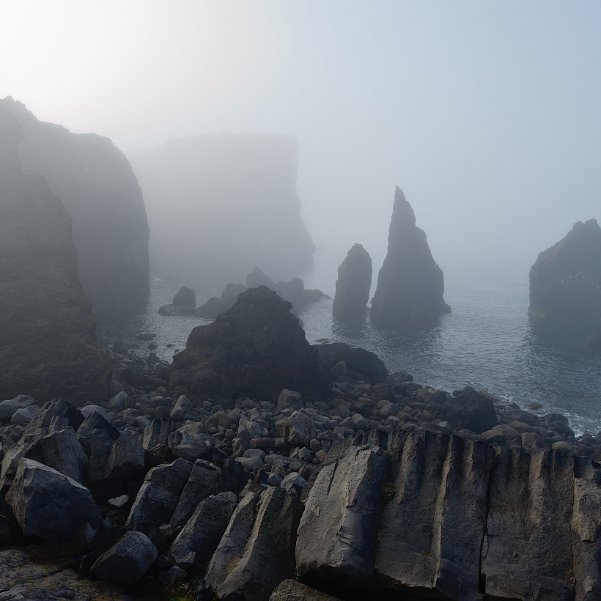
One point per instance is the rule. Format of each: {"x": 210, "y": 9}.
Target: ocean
{"x": 485, "y": 342}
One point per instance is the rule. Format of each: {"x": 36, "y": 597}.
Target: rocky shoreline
{"x": 376, "y": 488}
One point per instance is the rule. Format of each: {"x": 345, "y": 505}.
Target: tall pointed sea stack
{"x": 352, "y": 286}
{"x": 410, "y": 284}
{"x": 100, "y": 193}
{"x": 47, "y": 345}
{"x": 565, "y": 286}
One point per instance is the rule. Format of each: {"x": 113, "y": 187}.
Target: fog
{"x": 485, "y": 114}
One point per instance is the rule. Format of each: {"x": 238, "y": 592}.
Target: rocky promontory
{"x": 373, "y": 487}
{"x": 47, "y": 341}
{"x": 100, "y": 193}
{"x": 410, "y": 289}
{"x": 565, "y": 287}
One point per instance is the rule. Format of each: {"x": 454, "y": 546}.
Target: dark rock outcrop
{"x": 565, "y": 287}
{"x": 293, "y": 291}
{"x": 233, "y": 201}
{"x": 357, "y": 363}
{"x": 257, "y": 348}
{"x": 184, "y": 303}
{"x": 47, "y": 341}
{"x": 291, "y": 590}
{"x": 101, "y": 195}
{"x": 410, "y": 287}
{"x": 353, "y": 286}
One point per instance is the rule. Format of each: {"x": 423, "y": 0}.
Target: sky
{"x": 487, "y": 114}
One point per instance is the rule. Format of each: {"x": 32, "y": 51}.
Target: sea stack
{"x": 410, "y": 287}
{"x": 565, "y": 286}
{"x": 353, "y": 286}
{"x": 47, "y": 342}
{"x": 101, "y": 195}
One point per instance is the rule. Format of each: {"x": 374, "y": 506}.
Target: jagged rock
{"x": 126, "y": 460}
{"x": 255, "y": 349}
{"x": 47, "y": 347}
{"x": 48, "y": 504}
{"x": 198, "y": 539}
{"x": 61, "y": 451}
{"x": 157, "y": 498}
{"x": 9, "y": 407}
{"x": 257, "y": 277}
{"x": 565, "y": 287}
{"x": 101, "y": 195}
{"x": 256, "y": 551}
{"x": 87, "y": 410}
{"x": 128, "y": 561}
{"x": 22, "y": 416}
{"x": 410, "y": 286}
{"x": 244, "y": 187}
{"x": 353, "y": 286}
{"x": 337, "y": 532}
{"x": 190, "y": 442}
{"x": 180, "y": 409}
{"x": 97, "y": 436}
{"x": 204, "y": 480}
{"x": 291, "y": 590}
{"x": 360, "y": 364}
{"x": 184, "y": 303}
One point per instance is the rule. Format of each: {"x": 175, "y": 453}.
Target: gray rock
{"x": 190, "y": 442}
{"x": 198, "y": 539}
{"x": 97, "y": 436}
{"x": 256, "y": 551}
{"x": 61, "y": 451}
{"x": 180, "y": 409}
{"x": 89, "y": 409}
{"x": 128, "y": 561}
{"x": 157, "y": 498}
{"x": 353, "y": 286}
{"x": 337, "y": 532}
{"x": 126, "y": 460}
{"x": 290, "y": 399}
{"x": 49, "y": 505}
{"x": 22, "y": 417}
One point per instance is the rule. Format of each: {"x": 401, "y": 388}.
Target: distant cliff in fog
{"x": 220, "y": 204}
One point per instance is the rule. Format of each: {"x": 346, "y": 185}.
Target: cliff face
{"x": 47, "y": 345}
{"x": 565, "y": 285}
{"x": 101, "y": 195}
{"x": 220, "y": 204}
{"x": 410, "y": 284}
{"x": 435, "y": 516}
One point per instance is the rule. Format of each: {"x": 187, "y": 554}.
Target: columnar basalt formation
{"x": 233, "y": 202}
{"x": 100, "y": 193}
{"x": 565, "y": 286}
{"x": 410, "y": 286}
{"x": 353, "y": 286}
{"x": 47, "y": 329}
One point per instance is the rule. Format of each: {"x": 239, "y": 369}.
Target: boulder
{"x": 256, "y": 551}
{"x": 126, "y": 460}
{"x": 565, "y": 294}
{"x": 353, "y": 286}
{"x": 128, "y": 561}
{"x": 471, "y": 410}
{"x": 157, "y": 498}
{"x": 255, "y": 349}
{"x": 198, "y": 539}
{"x": 102, "y": 197}
{"x": 409, "y": 294}
{"x": 338, "y": 529}
{"x": 48, "y": 345}
{"x": 49, "y": 505}
{"x": 184, "y": 303}
{"x": 97, "y": 436}
{"x": 360, "y": 364}
{"x": 190, "y": 442}
{"x": 232, "y": 201}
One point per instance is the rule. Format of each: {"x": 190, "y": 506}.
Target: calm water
{"x": 485, "y": 342}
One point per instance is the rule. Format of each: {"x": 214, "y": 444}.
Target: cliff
{"x": 101, "y": 195}
{"x": 409, "y": 294}
{"x": 565, "y": 286}
{"x": 47, "y": 329}
{"x": 220, "y": 204}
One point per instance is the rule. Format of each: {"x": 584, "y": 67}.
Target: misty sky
{"x": 487, "y": 114}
